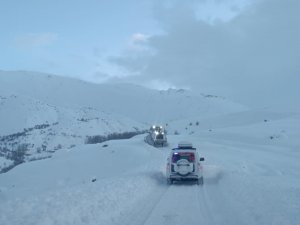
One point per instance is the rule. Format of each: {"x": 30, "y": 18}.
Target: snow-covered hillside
{"x": 135, "y": 102}
{"x": 249, "y": 178}
{"x": 251, "y": 168}
{"x": 31, "y": 129}
{"x": 42, "y": 113}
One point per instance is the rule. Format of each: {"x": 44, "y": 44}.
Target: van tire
{"x": 200, "y": 181}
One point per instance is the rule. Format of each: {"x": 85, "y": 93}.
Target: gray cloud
{"x": 252, "y": 58}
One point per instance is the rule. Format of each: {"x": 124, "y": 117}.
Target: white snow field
{"x": 42, "y": 113}
{"x": 251, "y": 167}
{"x": 249, "y": 178}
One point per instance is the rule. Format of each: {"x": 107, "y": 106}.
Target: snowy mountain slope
{"x": 138, "y": 103}
{"x": 38, "y": 129}
{"x": 248, "y": 118}
{"x": 18, "y": 112}
{"x": 246, "y": 181}
{"x": 42, "y": 113}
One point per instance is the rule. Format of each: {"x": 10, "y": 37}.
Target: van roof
{"x": 185, "y": 145}
{"x": 184, "y": 148}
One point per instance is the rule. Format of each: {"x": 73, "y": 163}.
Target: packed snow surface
{"x": 249, "y": 178}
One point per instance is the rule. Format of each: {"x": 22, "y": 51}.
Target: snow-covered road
{"x": 177, "y": 204}
{"x": 244, "y": 183}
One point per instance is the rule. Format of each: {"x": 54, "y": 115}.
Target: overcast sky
{"x": 245, "y": 50}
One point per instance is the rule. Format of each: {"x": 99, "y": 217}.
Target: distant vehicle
{"x": 184, "y": 163}
{"x": 157, "y": 136}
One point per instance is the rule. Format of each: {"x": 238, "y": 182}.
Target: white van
{"x": 184, "y": 163}
{"x": 157, "y": 136}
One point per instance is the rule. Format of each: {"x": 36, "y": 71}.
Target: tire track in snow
{"x": 143, "y": 209}
{"x": 224, "y": 206}
{"x": 179, "y": 205}
{"x": 205, "y": 206}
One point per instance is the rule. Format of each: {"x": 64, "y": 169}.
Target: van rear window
{"x": 190, "y": 156}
